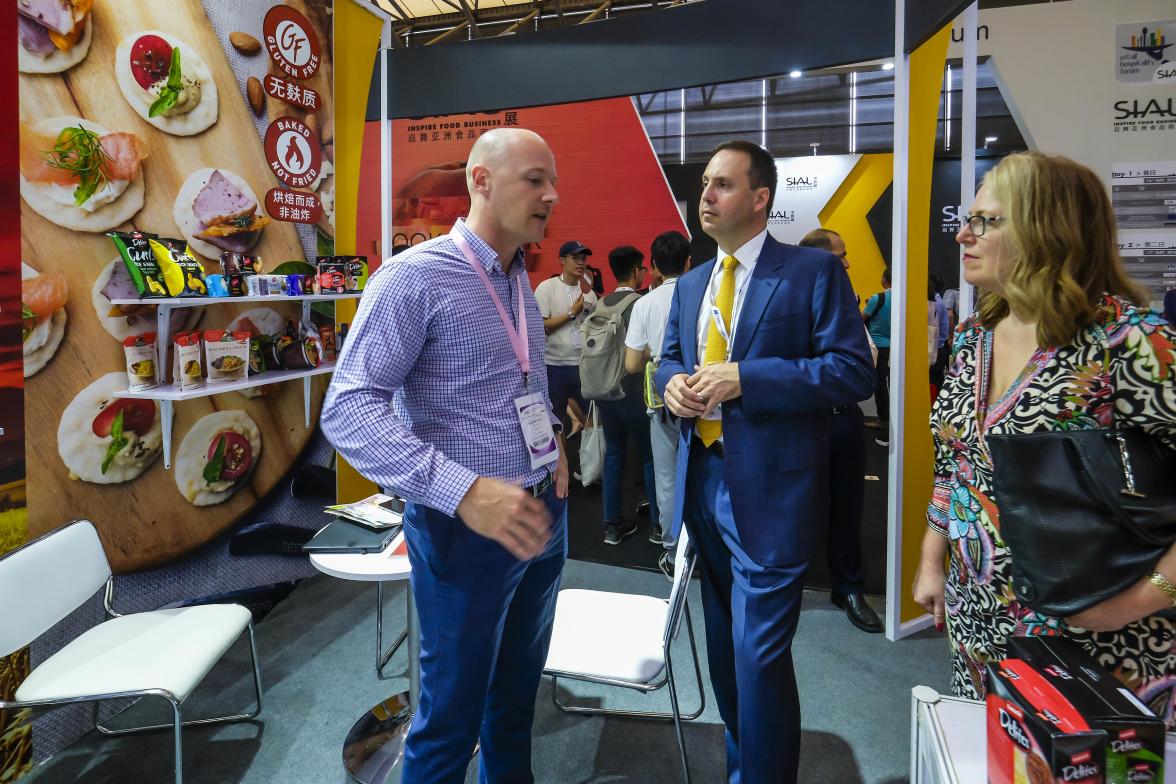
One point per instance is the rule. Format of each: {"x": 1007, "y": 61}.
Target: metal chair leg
{"x": 382, "y": 656}
{"x": 677, "y": 721}
{"x": 193, "y": 722}
{"x": 177, "y": 723}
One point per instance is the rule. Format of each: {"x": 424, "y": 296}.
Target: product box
{"x": 357, "y": 271}
{"x": 332, "y": 275}
{"x": 1135, "y": 747}
{"x": 1035, "y": 736}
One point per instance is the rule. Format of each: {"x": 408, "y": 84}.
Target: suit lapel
{"x": 691, "y": 302}
{"x": 763, "y": 282}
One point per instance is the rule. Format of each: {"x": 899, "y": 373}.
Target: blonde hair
{"x": 1061, "y": 233}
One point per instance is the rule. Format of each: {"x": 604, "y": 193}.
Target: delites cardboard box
{"x": 1035, "y": 736}
{"x": 1135, "y": 736}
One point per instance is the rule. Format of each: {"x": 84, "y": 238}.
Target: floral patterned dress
{"x": 1123, "y": 367}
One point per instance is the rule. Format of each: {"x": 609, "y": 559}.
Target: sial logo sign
{"x": 806, "y": 183}
{"x": 782, "y": 217}
{"x": 291, "y": 42}
{"x": 1139, "y": 110}
{"x": 952, "y": 218}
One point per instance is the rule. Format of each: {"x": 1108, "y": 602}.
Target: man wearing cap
{"x": 565, "y": 300}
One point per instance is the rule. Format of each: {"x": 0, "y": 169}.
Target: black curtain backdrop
{"x": 707, "y": 42}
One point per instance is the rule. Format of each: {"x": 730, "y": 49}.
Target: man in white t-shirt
{"x": 670, "y": 253}
{"x": 564, "y": 301}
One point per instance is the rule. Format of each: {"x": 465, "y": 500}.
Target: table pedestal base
{"x": 373, "y": 752}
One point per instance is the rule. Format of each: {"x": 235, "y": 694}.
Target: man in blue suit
{"x": 762, "y": 343}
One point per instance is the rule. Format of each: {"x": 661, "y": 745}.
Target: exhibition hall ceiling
{"x": 421, "y": 22}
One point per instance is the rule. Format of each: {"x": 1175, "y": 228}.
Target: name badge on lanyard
{"x": 531, "y": 409}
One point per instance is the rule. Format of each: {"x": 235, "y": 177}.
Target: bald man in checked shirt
{"x": 423, "y": 403}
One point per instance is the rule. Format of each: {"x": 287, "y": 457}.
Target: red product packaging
{"x": 1035, "y": 735}
{"x": 332, "y": 275}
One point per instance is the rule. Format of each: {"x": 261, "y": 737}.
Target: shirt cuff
{"x": 452, "y": 483}
{"x": 937, "y": 517}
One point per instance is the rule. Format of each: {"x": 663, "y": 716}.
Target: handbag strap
{"x": 1113, "y": 429}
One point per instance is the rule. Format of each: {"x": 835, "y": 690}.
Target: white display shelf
{"x": 195, "y": 302}
{"x": 168, "y": 394}
{"x": 173, "y": 393}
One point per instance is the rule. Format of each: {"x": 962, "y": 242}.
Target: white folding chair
{"x": 164, "y": 653}
{"x": 622, "y": 639}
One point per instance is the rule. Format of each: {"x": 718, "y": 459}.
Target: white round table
{"x": 374, "y": 748}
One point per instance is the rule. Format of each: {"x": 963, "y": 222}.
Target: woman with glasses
{"x": 1060, "y": 339}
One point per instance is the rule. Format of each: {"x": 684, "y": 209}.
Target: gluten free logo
{"x": 291, "y": 42}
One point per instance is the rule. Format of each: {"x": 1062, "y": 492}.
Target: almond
{"x": 256, "y": 95}
{"x": 329, "y": 151}
{"x": 312, "y": 123}
{"x": 245, "y": 43}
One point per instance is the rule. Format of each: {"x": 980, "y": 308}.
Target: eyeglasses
{"x": 980, "y": 223}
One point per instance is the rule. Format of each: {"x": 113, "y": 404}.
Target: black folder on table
{"x": 343, "y": 536}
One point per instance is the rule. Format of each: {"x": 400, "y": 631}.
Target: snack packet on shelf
{"x": 141, "y": 362}
{"x": 182, "y": 274}
{"x": 187, "y": 370}
{"x": 227, "y": 355}
{"x": 135, "y": 249}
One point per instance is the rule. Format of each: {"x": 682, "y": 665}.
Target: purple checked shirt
{"x": 422, "y": 400}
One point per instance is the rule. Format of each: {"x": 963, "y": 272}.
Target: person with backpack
{"x": 618, "y": 394}
{"x": 877, "y": 316}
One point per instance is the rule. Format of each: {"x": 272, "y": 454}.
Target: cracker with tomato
{"x": 107, "y": 439}
{"x": 217, "y": 456}
{"x": 166, "y": 82}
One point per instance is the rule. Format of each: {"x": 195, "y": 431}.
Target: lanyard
{"x": 518, "y": 339}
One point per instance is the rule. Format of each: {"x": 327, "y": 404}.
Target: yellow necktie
{"x": 709, "y": 430}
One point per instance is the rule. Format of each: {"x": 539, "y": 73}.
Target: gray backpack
{"x": 602, "y": 363}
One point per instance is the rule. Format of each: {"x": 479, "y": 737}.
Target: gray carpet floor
{"x": 317, "y": 652}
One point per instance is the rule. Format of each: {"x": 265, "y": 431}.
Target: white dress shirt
{"x": 746, "y": 255}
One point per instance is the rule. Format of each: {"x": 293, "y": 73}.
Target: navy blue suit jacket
{"x": 802, "y": 351}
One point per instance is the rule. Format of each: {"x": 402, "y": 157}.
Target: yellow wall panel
{"x": 926, "y": 80}
{"x": 846, "y": 214}
{"x": 359, "y": 32}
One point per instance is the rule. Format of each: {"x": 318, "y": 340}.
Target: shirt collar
{"x": 487, "y": 255}
{"x": 748, "y": 253}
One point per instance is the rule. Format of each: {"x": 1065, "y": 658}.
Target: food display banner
{"x": 183, "y": 150}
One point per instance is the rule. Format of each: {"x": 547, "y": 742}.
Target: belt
{"x": 542, "y": 486}
{"x": 716, "y": 448}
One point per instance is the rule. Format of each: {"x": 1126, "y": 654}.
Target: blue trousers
{"x": 751, "y": 614}
{"x": 622, "y": 420}
{"x": 847, "y": 461}
{"x": 485, "y": 625}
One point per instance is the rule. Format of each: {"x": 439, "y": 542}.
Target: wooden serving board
{"x": 146, "y": 522}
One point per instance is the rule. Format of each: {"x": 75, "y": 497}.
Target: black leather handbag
{"x": 1085, "y": 513}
